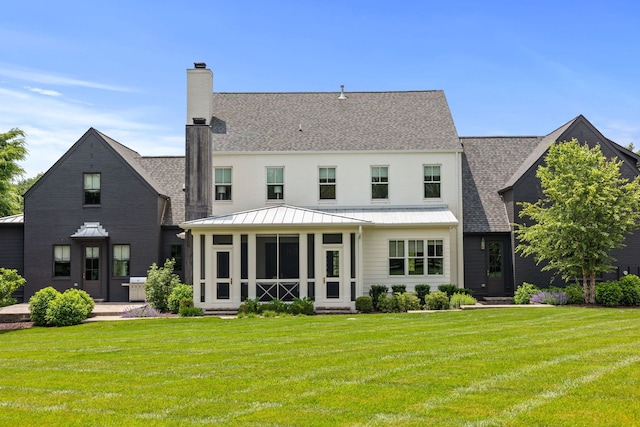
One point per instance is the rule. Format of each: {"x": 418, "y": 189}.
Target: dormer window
{"x": 92, "y": 189}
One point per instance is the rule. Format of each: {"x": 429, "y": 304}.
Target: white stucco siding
{"x": 376, "y": 257}
{"x": 353, "y": 179}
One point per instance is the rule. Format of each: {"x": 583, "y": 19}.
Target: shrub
{"x": 10, "y": 281}
{"x": 422, "y": 291}
{"x": 276, "y": 305}
{"x": 270, "y": 313}
{"x": 574, "y": 293}
{"x": 301, "y": 306}
{"x": 68, "y": 308}
{"x": 179, "y": 292}
{"x": 398, "y": 289}
{"x": 160, "y": 284}
{"x": 388, "y": 304}
{"x": 608, "y": 293}
{"x": 459, "y": 299}
{"x": 250, "y": 305}
{"x": 408, "y": 301}
{"x": 454, "y": 289}
{"x": 376, "y": 291}
{"x": 186, "y": 308}
{"x": 364, "y": 304}
{"x": 630, "y": 287}
{"x": 144, "y": 311}
{"x": 524, "y": 292}
{"x": 549, "y": 297}
{"x": 437, "y": 301}
{"x": 38, "y": 304}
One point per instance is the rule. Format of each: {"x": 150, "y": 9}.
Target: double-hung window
{"x": 91, "y": 188}
{"x": 121, "y": 260}
{"x": 432, "y": 182}
{"x": 275, "y": 183}
{"x": 409, "y": 258}
{"x": 379, "y": 182}
{"x": 223, "y": 183}
{"x": 62, "y": 261}
{"x": 327, "y": 182}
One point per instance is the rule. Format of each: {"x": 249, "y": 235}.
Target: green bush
{"x": 179, "y": 292}
{"x": 10, "y": 281}
{"x": 38, "y": 304}
{"x": 630, "y": 287}
{"x": 398, "y": 289}
{"x": 608, "y": 293}
{"x": 422, "y": 291}
{"x": 459, "y": 299}
{"x": 454, "y": 289}
{"x": 364, "y": 304}
{"x": 186, "y": 308}
{"x": 388, "y": 304}
{"x": 408, "y": 301}
{"x": 575, "y": 293}
{"x": 375, "y": 292}
{"x": 524, "y": 292}
{"x": 301, "y": 306}
{"x": 160, "y": 284}
{"x": 250, "y": 305}
{"x": 68, "y": 308}
{"x": 437, "y": 301}
{"x": 276, "y": 305}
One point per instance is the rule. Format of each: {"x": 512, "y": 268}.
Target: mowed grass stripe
{"x": 324, "y": 370}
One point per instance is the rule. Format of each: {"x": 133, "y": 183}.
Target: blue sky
{"x": 507, "y": 67}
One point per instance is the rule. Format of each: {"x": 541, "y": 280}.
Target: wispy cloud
{"x": 47, "y": 92}
{"x": 46, "y": 78}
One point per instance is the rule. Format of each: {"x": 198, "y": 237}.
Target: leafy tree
{"x": 23, "y": 185}
{"x": 586, "y": 210}
{"x": 12, "y": 150}
{"x": 160, "y": 283}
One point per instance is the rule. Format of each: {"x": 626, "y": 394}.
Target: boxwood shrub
{"x": 68, "y": 308}
{"x": 375, "y": 292}
{"x": 179, "y": 292}
{"x": 608, "y": 293}
{"x": 437, "y": 301}
{"x": 422, "y": 291}
{"x": 38, "y": 304}
{"x": 364, "y": 304}
{"x": 630, "y": 287}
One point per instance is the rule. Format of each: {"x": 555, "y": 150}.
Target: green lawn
{"x": 512, "y": 367}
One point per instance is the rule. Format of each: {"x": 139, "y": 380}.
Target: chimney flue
{"x": 342, "y": 95}
{"x": 199, "y": 65}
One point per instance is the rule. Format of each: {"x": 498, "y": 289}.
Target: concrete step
{"x": 497, "y": 300}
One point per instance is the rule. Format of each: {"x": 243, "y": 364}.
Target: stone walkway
{"x": 102, "y": 311}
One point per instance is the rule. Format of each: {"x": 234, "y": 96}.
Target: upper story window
{"x": 432, "y": 182}
{"x": 62, "y": 261}
{"x": 223, "y": 183}
{"x": 121, "y": 260}
{"x": 327, "y": 182}
{"x": 275, "y": 183}
{"x": 91, "y": 188}
{"x": 379, "y": 182}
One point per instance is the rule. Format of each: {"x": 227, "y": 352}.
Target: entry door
{"x": 92, "y": 274}
{"x": 495, "y": 269}
{"x": 333, "y": 273}
{"x": 222, "y": 273}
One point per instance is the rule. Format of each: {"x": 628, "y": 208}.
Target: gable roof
{"x": 319, "y": 121}
{"x": 487, "y": 164}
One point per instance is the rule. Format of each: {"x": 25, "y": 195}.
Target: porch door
{"x": 495, "y": 269}
{"x": 93, "y": 274}
{"x": 222, "y": 273}
{"x": 333, "y": 273}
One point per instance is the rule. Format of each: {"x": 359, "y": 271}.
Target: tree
{"x": 12, "y": 150}
{"x": 586, "y": 210}
{"x": 23, "y": 185}
{"x": 160, "y": 283}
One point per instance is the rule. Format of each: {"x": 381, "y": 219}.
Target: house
{"x": 100, "y": 215}
{"x": 320, "y": 195}
{"x": 293, "y": 195}
{"x": 498, "y": 174}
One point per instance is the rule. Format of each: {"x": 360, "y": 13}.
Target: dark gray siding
{"x": 12, "y": 247}
{"x": 128, "y": 211}
{"x": 475, "y": 264}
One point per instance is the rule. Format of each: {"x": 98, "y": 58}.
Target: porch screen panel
{"x": 266, "y": 256}
{"x": 289, "y": 255}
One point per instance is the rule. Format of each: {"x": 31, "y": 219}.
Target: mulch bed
{"x": 15, "y": 325}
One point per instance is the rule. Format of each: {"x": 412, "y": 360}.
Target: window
{"x": 379, "y": 182}
{"x": 327, "y": 181}
{"x": 408, "y": 257}
{"x": 62, "y": 261}
{"x": 435, "y": 257}
{"x": 396, "y": 257}
{"x": 223, "y": 183}
{"x": 121, "y": 257}
{"x": 176, "y": 254}
{"x": 91, "y": 188}
{"x": 275, "y": 183}
{"x": 431, "y": 182}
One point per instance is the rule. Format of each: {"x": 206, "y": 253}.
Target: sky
{"x": 506, "y": 67}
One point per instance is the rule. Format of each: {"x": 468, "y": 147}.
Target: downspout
{"x": 460, "y": 227}
{"x": 360, "y": 280}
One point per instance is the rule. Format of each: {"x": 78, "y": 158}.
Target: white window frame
{"x": 223, "y": 186}
{"x": 275, "y": 185}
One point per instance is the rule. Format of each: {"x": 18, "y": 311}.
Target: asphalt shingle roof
{"x": 319, "y": 121}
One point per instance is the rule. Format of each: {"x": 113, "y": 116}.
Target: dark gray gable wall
{"x": 130, "y": 211}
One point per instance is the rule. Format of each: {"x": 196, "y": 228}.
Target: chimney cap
{"x": 200, "y": 65}
{"x": 199, "y": 121}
